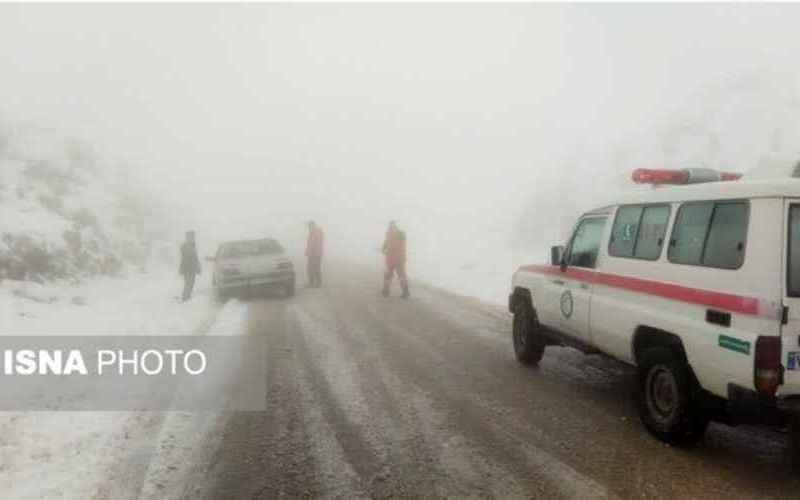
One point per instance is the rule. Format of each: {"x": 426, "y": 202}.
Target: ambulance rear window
{"x": 711, "y": 234}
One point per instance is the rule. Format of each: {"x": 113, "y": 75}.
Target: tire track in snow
{"x": 335, "y": 384}
{"x": 291, "y": 450}
{"x": 487, "y": 418}
{"x": 460, "y": 465}
{"x": 392, "y": 425}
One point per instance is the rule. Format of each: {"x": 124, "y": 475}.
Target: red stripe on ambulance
{"x": 718, "y": 300}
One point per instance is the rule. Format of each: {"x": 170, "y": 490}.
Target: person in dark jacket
{"x": 394, "y": 248}
{"x": 314, "y": 250}
{"x": 190, "y": 265}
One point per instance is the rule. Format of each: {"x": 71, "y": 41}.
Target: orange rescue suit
{"x": 315, "y": 242}
{"x": 394, "y": 247}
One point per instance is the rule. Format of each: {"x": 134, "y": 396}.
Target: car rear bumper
{"x": 746, "y": 406}
{"x": 272, "y": 278}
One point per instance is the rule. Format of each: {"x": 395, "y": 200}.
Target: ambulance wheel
{"x": 529, "y": 343}
{"x": 667, "y": 397}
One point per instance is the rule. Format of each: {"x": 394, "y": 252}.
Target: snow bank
{"x": 104, "y": 454}
{"x": 136, "y": 304}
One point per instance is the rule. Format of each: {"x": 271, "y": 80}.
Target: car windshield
{"x": 250, "y": 248}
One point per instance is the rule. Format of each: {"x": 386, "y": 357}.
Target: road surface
{"x": 375, "y": 397}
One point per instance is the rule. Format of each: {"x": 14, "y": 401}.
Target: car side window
{"x": 639, "y": 231}
{"x": 624, "y": 231}
{"x": 585, "y": 243}
{"x": 652, "y": 230}
{"x": 711, "y": 234}
{"x": 793, "y": 260}
{"x": 727, "y": 236}
{"x": 689, "y": 233}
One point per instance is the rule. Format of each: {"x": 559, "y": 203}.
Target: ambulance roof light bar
{"x": 683, "y": 176}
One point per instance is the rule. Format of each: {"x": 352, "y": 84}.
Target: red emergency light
{"x": 729, "y": 176}
{"x": 682, "y": 176}
{"x": 652, "y": 176}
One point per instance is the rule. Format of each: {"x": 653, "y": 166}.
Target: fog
{"x": 481, "y": 128}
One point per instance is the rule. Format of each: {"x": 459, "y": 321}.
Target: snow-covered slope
{"x": 65, "y": 212}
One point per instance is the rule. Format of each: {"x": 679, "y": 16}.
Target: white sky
{"x": 360, "y": 113}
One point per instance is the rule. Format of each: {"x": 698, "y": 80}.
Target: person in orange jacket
{"x": 394, "y": 249}
{"x": 314, "y": 245}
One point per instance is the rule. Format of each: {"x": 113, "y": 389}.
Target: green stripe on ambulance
{"x": 734, "y": 344}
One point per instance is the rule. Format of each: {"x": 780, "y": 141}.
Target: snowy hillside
{"x": 66, "y": 212}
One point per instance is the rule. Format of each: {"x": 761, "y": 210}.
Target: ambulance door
{"x": 790, "y": 338}
{"x": 581, "y": 259}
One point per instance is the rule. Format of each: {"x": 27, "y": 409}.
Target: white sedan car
{"x": 245, "y": 266}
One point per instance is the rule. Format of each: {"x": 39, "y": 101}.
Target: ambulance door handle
{"x": 718, "y": 317}
{"x": 558, "y": 282}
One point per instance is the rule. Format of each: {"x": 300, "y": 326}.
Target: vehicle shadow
{"x": 264, "y": 293}
{"x": 756, "y": 459}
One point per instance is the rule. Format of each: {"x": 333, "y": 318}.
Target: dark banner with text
{"x": 150, "y": 373}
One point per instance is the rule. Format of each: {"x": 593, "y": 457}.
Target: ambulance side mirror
{"x": 556, "y": 255}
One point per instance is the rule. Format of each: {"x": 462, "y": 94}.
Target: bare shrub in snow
{"x": 69, "y": 213}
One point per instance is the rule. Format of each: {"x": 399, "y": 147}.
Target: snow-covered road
{"x": 366, "y": 397}
{"x": 373, "y": 397}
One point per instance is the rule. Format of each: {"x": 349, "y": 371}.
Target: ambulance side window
{"x": 652, "y": 230}
{"x": 689, "y": 233}
{"x": 585, "y": 243}
{"x": 727, "y": 236}
{"x": 624, "y": 231}
{"x": 711, "y": 234}
{"x": 639, "y": 231}
{"x": 793, "y": 264}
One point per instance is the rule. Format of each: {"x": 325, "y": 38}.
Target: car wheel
{"x": 290, "y": 289}
{"x": 529, "y": 344}
{"x": 667, "y": 397}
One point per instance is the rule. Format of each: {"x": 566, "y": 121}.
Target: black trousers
{"x": 188, "y": 285}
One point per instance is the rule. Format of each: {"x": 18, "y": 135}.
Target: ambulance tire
{"x": 529, "y": 343}
{"x": 667, "y": 397}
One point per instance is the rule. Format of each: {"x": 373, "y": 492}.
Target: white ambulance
{"x": 696, "y": 285}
